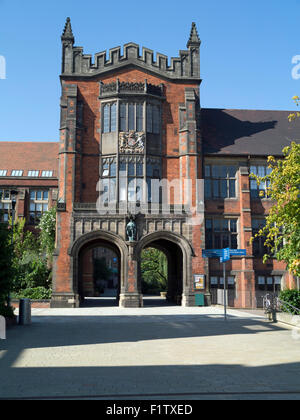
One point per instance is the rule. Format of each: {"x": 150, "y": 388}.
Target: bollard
{"x": 25, "y": 312}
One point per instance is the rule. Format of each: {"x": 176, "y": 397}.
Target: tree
{"x": 154, "y": 266}
{"x": 282, "y": 229}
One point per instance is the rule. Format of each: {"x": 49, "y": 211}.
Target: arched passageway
{"x": 99, "y": 274}
{"x": 178, "y": 253}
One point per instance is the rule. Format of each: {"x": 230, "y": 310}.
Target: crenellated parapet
{"x": 77, "y": 64}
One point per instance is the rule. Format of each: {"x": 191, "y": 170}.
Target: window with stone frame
{"x": 259, "y": 191}
{"x": 5, "y": 205}
{"x": 109, "y": 179}
{"x": 258, "y": 246}
{"x": 39, "y": 204}
{"x": 221, "y": 233}
{"x": 220, "y": 181}
{"x": 131, "y": 116}
{"x": 153, "y": 119}
{"x": 131, "y": 179}
{"x": 109, "y": 119}
{"x": 217, "y": 282}
{"x": 268, "y": 283}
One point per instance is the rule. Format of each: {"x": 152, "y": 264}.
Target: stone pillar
{"x": 131, "y": 296}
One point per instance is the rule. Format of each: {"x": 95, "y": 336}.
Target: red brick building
{"x": 129, "y": 122}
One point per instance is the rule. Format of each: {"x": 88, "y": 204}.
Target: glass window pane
{"x": 46, "y": 195}
{"x": 156, "y": 120}
{"x": 234, "y": 244}
{"x": 39, "y": 195}
{"x": 149, "y": 118}
{"x": 208, "y": 224}
{"x": 113, "y": 169}
{"x": 232, "y": 171}
{"x": 225, "y": 242}
{"x": 261, "y": 171}
{"x": 45, "y": 207}
{"x": 131, "y": 189}
{"x": 223, "y": 171}
{"x": 113, "y": 117}
{"x": 122, "y": 188}
{"x": 207, "y": 188}
{"x": 216, "y": 189}
{"x": 223, "y": 185}
{"x": 139, "y": 117}
{"x": 217, "y": 241}
{"x": 123, "y": 117}
{"x": 112, "y": 189}
{"x": 106, "y": 122}
{"x": 215, "y": 171}
{"x": 207, "y": 171}
{"x": 131, "y": 169}
{"x": 214, "y": 280}
{"x": 149, "y": 169}
{"x": 131, "y": 124}
{"x": 233, "y": 225}
{"x": 122, "y": 169}
{"x": 232, "y": 188}
{"x": 217, "y": 225}
{"x": 32, "y": 195}
{"x": 139, "y": 169}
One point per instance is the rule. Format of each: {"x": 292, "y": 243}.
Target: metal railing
{"x": 272, "y": 303}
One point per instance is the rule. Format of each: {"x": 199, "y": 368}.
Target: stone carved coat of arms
{"x": 132, "y": 142}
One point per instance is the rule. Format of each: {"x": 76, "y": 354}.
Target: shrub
{"x": 34, "y": 293}
{"x": 293, "y": 298}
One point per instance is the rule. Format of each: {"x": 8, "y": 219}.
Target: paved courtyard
{"x": 165, "y": 352}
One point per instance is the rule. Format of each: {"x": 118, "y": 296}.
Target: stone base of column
{"x": 64, "y": 300}
{"x": 131, "y": 300}
{"x": 189, "y": 300}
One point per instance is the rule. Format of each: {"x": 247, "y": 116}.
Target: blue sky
{"x": 246, "y": 52}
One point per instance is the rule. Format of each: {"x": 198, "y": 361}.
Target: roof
{"x": 29, "y": 156}
{"x": 247, "y": 132}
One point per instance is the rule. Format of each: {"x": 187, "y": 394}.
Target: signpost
{"x": 224, "y": 254}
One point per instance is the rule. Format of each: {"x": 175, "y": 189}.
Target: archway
{"x": 179, "y": 254}
{"x": 99, "y": 268}
{"x": 99, "y": 274}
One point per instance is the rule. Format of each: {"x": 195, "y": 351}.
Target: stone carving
{"x": 132, "y": 142}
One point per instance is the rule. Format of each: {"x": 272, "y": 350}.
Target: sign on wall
{"x": 199, "y": 281}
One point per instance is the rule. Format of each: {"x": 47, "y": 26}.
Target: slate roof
{"x": 28, "y": 156}
{"x": 247, "y": 132}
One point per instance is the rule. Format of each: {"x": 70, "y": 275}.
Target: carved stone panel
{"x": 132, "y": 142}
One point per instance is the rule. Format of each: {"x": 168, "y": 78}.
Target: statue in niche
{"x": 131, "y": 230}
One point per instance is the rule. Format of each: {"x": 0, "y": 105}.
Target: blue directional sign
{"x": 238, "y": 252}
{"x": 224, "y": 254}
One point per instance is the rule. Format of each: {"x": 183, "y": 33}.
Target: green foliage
{"x": 29, "y": 264}
{"x": 33, "y": 293}
{"x": 154, "y": 267}
{"x": 5, "y": 264}
{"x": 293, "y": 298}
{"x": 47, "y": 228}
{"x": 282, "y": 230}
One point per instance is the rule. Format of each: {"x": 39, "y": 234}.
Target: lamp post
{"x": 13, "y": 194}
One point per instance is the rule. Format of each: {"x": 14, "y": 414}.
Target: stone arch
{"x": 92, "y": 239}
{"x": 160, "y": 240}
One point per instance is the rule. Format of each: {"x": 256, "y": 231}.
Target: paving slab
{"x": 166, "y": 352}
